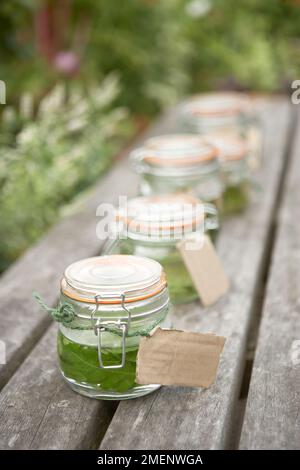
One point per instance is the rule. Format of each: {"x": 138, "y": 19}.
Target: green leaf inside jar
{"x": 80, "y": 363}
{"x": 236, "y": 198}
{"x": 180, "y": 284}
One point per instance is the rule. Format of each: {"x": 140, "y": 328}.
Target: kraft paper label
{"x": 205, "y": 269}
{"x": 182, "y": 358}
{"x": 255, "y": 144}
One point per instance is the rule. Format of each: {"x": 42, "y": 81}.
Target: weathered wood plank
{"x": 178, "y": 418}
{"x": 37, "y": 410}
{"x": 273, "y": 406}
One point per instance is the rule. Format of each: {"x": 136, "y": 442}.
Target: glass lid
{"x": 231, "y": 147}
{"x": 176, "y": 150}
{"x": 163, "y": 215}
{"x": 111, "y": 276}
{"x": 217, "y": 104}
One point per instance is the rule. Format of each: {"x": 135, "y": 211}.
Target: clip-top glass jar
{"x": 115, "y": 300}
{"x": 226, "y": 113}
{"x": 234, "y": 157}
{"x": 179, "y": 163}
{"x": 153, "y": 226}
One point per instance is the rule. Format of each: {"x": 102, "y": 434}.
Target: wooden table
{"x": 255, "y": 402}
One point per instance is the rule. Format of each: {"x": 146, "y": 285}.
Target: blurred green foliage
{"x": 160, "y": 48}
{"x": 141, "y": 40}
{"x": 73, "y": 68}
{"x": 46, "y": 161}
{"x": 249, "y": 44}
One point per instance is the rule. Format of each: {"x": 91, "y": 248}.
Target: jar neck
{"x": 163, "y": 240}
{"x": 192, "y": 172}
{"x": 235, "y": 172}
{"x": 236, "y": 166}
{"x": 139, "y": 309}
{"x": 212, "y": 123}
{"x": 117, "y": 331}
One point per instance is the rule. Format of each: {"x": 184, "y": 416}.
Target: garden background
{"x": 83, "y": 77}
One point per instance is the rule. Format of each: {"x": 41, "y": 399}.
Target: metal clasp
{"x": 101, "y": 326}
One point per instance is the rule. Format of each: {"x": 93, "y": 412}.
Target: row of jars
{"x": 108, "y": 303}
{"x": 213, "y": 162}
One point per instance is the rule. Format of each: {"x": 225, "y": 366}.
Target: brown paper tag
{"x": 255, "y": 144}
{"x": 205, "y": 268}
{"x": 174, "y": 357}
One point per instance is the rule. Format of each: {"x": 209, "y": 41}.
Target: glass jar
{"x": 152, "y": 226}
{"x": 234, "y": 157}
{"x": 115, "y": 301}
{"x": 226, "y": 113}
{"x": 179, "y": 163}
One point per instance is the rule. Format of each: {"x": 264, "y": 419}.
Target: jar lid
{"x": 231, "y": 147}
{"x": 219, "y": 104}
{"x": 109, "y": 277}
{"x": 171, "y": 215}
{"x": 176, "y": 150}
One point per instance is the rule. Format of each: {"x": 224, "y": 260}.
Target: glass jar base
{"x": 97, "y": 393}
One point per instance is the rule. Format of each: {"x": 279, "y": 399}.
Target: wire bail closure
{"x": 102, "y": 326}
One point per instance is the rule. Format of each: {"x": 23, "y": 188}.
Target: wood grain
{"x": 38, "y": 410}
{"x": 273, "y": 407}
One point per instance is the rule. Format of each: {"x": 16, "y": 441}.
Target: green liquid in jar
{"x": 236, "y": 198}
{"x": 180, "y": 284}
{"x": 80, "y": 363}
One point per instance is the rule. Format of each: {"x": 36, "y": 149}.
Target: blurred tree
{"x": 160, "y": 49}
{"x": 142, "y": 40}
{"x": 45, "y": 40}
{"x": 248, "y": 44}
